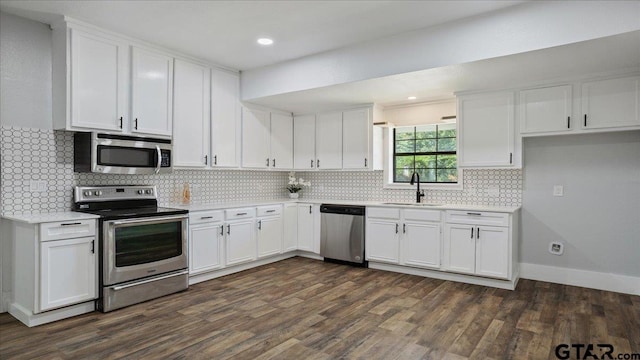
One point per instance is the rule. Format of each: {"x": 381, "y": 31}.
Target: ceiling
{"x": 604, "y": 56}
{"x": 225, "y": 32}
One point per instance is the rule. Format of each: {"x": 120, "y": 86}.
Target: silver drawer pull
{"x": 70, "y": 224}
{"x": 476, "y": 214}
{"x": 270, "y": 211}
{"x": 238, "y": 214}
{"x": 206, "y": 217}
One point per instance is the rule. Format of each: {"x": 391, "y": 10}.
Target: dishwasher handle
{"x": 342, "y": 209}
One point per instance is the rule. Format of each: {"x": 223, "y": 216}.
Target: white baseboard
{"x": 197, "y": 278}
{"x": 30, "y": 319}
{"x": 583, "y": 278}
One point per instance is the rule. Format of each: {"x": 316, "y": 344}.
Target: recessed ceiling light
{"x": 265, "y": 41}
{"x": 411, "y": 98}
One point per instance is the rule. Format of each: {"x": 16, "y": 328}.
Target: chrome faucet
{"x": 415, "y": 179}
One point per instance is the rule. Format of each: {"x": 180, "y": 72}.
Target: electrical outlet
{"x": 558, "y": 190}
{"x": 493, "y": 191}
{"x": 556, "y": 248}
{"x": 37, "y": 186}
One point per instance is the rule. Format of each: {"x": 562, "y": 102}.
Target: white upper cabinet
{"x": 304, "y": 142}
{"x": 267, "y": 139}
{"x": 281, "y": 141}
{"x": 329, "y": 141}
{"x": 546, "y": 110}
{"x": 90, "y": 81}
{"x": 225, "y": 119}
{"x": 356, "y": 135}
{"x": 151, "y": 92}
{"x": 191, "y": 115}
{"x": 255, "y": 138}
{"x": 611, "y": 103}
{"x": 486, "y": 130}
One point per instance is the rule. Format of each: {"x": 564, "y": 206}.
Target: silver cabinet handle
{"x": 397, "y": 228}
{"x": 274, "y": 162}
{"x": 259, "y": 224}
{"x": 206, "y": 217}
{"x": 229, "y": 229}
{"x": 404, "y": 228}
{"x": 477, "y": 233}
{"x": 240, "y": 214}
{"x": 365, "y": 162}
{"x": 267, "y": 162}
{"x": 309, "y": 209}
{"x": 221, "y": 229}
{"x": 474, "y": 213}
{"x": 270, "y": 211}
{"x": 206, "y": 159}
{"x": 215, "y": 159}
{"x": 71, "y": 224}
{"x": 472, "y": 233}
{"x": 312, "y": 163}
{"x": 318, "y": 163}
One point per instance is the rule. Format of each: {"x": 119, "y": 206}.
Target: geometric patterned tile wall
{"x": 478, "y": 188}
{"x": 36, "y": 154}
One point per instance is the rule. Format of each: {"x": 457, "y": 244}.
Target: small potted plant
{"x": 296, "y": 185}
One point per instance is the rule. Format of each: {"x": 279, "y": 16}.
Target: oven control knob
{"x": 140, "y": 192}
{"x": 148, "y": 191}
{"x": 87, "y": 193}
{"x": 97, "y": 193}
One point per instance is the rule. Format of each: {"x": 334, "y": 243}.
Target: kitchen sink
{"x": 412, "y": 204}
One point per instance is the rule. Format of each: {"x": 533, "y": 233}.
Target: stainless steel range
{"x": 143, "y": 247}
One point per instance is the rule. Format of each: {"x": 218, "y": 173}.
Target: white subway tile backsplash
{"x": 28, "y": 154}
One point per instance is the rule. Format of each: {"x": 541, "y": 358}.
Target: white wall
{"x": 419, "y": 114}
{"x": 25, "y": 72}
{"x": 530, "y": 26}
{"x": 598, "y": 218}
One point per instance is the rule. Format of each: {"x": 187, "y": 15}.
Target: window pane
{"x": 447, "y": 144}
{"x": 425, "y": 161}
{"x": 404, "y": 133}
{"x": 427, "y": 175}
{"x": 426, "y": 145}
{"x": 405, "y": 162}
{"x": 426, "y": 132}
{"x": 402, "y": 176}
{"x": 447, "y": 175}
{"x": 405, "y": 146}
{"x": 447, "y": 162}
{"x": 447, "y": 130}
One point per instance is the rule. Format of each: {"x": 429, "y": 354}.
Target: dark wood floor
{"x": 306, "y": 309}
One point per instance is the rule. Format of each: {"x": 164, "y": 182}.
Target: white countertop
{"x": 228, "y": 205}
{"x": 50, "y": 217}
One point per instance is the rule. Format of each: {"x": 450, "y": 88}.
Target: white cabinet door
{"x": 546, "y": 110}
{"x": 281, "y": 141}
{"x": 304, "y": 142}
{"x": 255, "y": 138}
{"x": 99, "y": 82}
{"x": 151, "y": 92}
{"x": 329, "y": 141}
{"x": 492, "y": 251}
{"x": 67, "y": 272}
{"x": 240, "y": 242}
{"x": 486, "y": 130}
{"x": 356, "y": 137}
{"x": 269, "y": 236}
{"x": 306, "y": 227}
{"x": 611, "y": 103}
{"x": 421, "y": 244}
{"x": 460, "y": 248}
{"x": 383, "y": 241}
{"x": 290, "y": 237}
{"x": 225, "y": 119}
{"x": 205, "y": 247}
{"x": 190, "y": 115}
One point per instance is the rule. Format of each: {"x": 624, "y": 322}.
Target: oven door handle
{"x": 121, "y": 287}
{"x": 148, "y": 219}
{"x": 159, "y": 153}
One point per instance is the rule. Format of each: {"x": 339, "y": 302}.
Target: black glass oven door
{"x": 134, "y": 157}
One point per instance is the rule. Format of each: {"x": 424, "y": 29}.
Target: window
{"x": 429, "y": 150}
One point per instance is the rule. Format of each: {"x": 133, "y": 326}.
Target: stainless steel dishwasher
{"x": 342, "y": 233}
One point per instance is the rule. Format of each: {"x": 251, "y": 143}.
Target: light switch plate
{"x": 558, "y": 190}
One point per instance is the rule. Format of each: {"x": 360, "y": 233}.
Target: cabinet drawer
{"x": 269, "y": 210}
{"x": 67, "y": 229}
{"x": 478, "y": 218}
{"x": 422, "y": 215}
{"x": 383, "y": 213}
{"x": 240, "y": 213}
{"x": 210, "y": 216}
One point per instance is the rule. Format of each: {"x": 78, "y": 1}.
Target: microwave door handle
{"x": 159, "y": 153}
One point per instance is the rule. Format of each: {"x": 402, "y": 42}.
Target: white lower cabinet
{"x": 240, "y": 241}
{"x": 306, "y": 228}
{"x": 206, "y": 238}
{"x": 67, "y": 272}
{"x": 471, "y": 247}
{"x": 290, "y": 229}
{"x": 404, "y": 236}
{"x": 269, "y": 231}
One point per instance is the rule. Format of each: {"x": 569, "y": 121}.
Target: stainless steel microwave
{"x": 120, "y": 154}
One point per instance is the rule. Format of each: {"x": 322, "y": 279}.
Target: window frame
{"x": 389, "y": 165}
